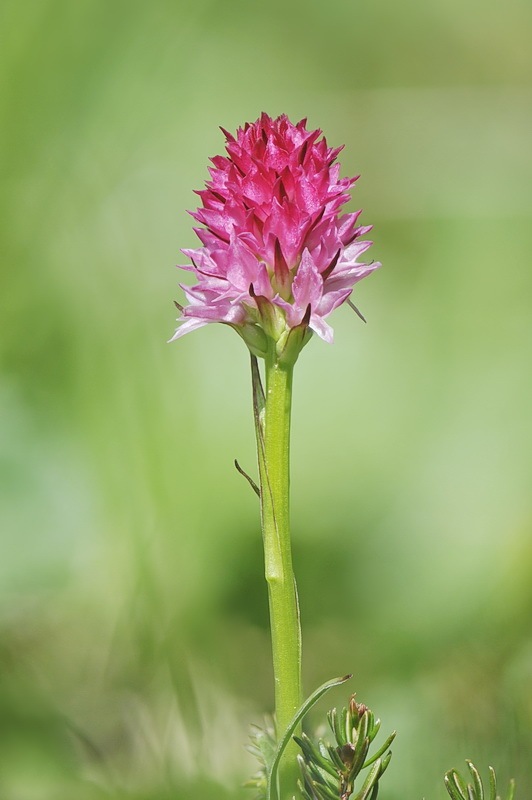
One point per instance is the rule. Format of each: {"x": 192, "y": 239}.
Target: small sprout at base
{"x": 343, "y": 770}
{"x": 458, "y": 789}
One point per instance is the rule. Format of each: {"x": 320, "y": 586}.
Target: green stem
{"x": 272, "y": 419}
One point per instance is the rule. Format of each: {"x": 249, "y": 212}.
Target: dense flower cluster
{"x": 277, "y": 254}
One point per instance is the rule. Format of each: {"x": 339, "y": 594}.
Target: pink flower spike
{"x": 277, "y": 254}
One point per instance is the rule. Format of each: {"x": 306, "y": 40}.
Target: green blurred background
{"x": 134, "y": 645}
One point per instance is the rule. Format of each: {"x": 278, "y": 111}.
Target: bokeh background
{"x": 134, "y": 645}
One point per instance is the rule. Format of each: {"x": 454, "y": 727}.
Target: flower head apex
{"x": 277, "y": 257}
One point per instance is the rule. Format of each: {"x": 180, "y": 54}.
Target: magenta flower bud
{"x": 277, "y": 255}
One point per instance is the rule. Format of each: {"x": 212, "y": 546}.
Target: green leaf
{"x": 314, "y": 755}
{"x": 375, "y": 792}
{"x": 335, "y": 758}
{"x": 455, "y": 786}
{"x": 477, "y": 781}
{"x": 337, "y": 728}
{"x": 381, "y": 750}
{"x": 385, "y": 761}
{"x": 493, "y": 784}
{"x": 458, "y": 790}
{"x": 374, "y": 727}
{"x": 368, "y": 785}
{"x": 361, "y": 751}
